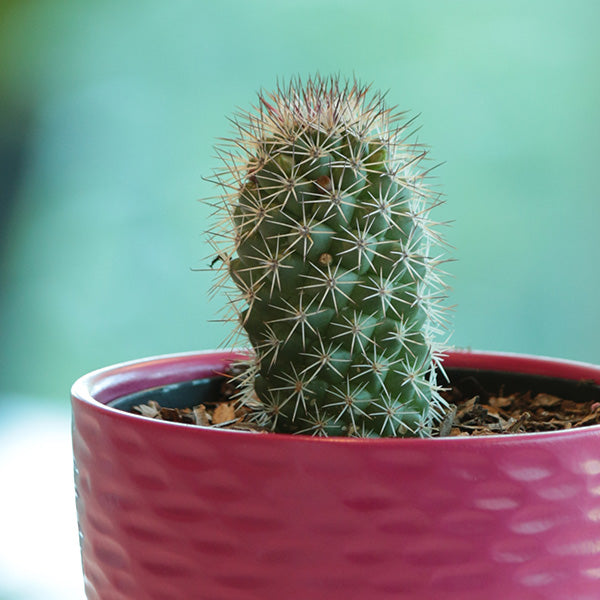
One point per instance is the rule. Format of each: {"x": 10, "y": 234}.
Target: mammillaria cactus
{"x": 326, "y": 237}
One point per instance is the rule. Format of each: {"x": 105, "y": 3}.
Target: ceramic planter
{"x": 173, "y": 511}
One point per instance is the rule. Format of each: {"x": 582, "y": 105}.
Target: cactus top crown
{"x": 330, "y": 263}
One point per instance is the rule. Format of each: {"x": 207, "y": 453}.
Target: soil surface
{"x": 472, "y": 410}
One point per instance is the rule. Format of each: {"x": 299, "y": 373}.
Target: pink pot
{"x": 172, "y": 511}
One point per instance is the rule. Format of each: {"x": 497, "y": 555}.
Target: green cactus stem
{"x": 325, "y": 235}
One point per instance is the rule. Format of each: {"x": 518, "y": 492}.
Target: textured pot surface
{"x": 172, "y": 511}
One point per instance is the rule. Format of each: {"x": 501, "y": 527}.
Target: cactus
{"x": 326, "y": 237}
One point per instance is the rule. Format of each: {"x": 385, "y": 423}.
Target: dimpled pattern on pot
{"x": 170, "y": 511}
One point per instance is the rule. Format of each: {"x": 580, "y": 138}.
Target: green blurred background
{"x": 110, "y": 111}
{"x": 108, "y": 115}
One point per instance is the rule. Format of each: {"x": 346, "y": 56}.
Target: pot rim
{"x": 96, "y": 388}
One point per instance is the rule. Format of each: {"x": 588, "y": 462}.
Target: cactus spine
{"x": 326, "y": 237}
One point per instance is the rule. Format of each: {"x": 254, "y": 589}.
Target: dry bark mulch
{"x": 489, "y": 414}
{"x": 469, "y": 414}
{"x": 224, "y": 412}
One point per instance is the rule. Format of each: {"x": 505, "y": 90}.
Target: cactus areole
{"x": 330, "y": 262}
